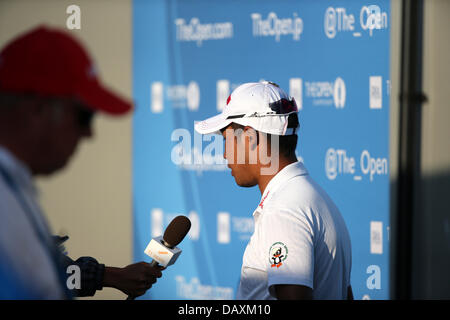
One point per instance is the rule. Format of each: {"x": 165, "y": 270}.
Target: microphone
{"x": 163, "y": 249}
{"x": 175, "y": 232}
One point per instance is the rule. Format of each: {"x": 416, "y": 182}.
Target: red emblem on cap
{"x": 229, "y": 98}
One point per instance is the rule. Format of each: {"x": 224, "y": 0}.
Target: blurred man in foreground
{"x": 49, "y": 94}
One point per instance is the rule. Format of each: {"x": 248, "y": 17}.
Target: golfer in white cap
{"x": 300, "y": 248}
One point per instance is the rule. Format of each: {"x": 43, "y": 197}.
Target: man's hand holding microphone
{"x": 135, "y": 279}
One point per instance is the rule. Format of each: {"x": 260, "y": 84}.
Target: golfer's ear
{"x": 252, "y": 135}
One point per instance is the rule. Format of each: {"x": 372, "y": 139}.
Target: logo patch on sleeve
{"x": 277, "y": 254}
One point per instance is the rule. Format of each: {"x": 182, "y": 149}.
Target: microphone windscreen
{"x": 177, "y": 230}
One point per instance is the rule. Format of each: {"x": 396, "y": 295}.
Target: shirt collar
{"x": 285, "y": 174}
{"x": 18, "y": 170}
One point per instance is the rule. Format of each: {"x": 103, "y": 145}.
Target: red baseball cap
{"x": 49, "y": 62}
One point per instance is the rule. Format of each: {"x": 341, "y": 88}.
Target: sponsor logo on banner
{"x": 157, "y": 97}
{"x": 370, "y": 18}
{"x": 198, "y": 291}
{"x": 272, "y": 26}
{"x": 339, "y": 163}
{"x": 327, "y": 93}
{"x": 198, "y": 32}
{"x": 180, "y": 96}
{"x": 296, "y": 91}
{"x": 376, "y": 237}
{"x": 159, "y": 220}
{"x": 223, "y": 227}
{"x": 194, "y": 232}
{"x": 226, "y": 224}
{"x": 223, "y": 91}
{"x": 375, "y": 92}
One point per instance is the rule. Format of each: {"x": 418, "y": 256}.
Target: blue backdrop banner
{"x": 188, "y": 56}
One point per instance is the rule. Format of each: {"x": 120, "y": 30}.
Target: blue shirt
{"x": 25, "y": 237}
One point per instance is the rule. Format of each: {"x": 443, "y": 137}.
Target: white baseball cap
{"x": 264, "y": 106}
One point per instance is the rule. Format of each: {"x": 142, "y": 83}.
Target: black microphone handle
{"x": 153, "y": 264}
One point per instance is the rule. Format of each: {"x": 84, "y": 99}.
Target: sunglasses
{"x": 85, "y": 117}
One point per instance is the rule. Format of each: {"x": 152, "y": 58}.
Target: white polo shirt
{"x": 300, "y": 238}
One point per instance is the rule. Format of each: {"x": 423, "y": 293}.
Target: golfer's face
{"x": 236, "y": 153}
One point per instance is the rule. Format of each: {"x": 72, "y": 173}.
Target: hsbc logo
{"x": 375, "y": 92}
